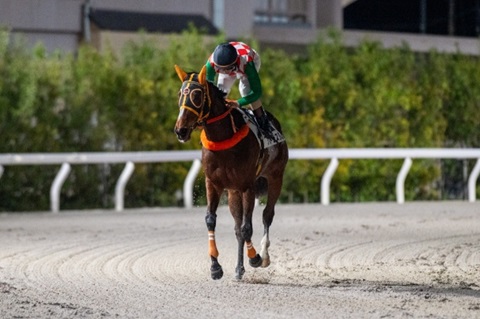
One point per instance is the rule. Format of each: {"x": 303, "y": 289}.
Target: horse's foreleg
{"x": 255, "y": 259}
{"x": 213, "y": 199}
{"x": 215, "y": 270}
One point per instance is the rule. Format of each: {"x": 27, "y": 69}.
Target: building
{"x": 286, "y": 24}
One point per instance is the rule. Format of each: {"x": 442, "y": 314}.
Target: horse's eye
{"x": 196, "y": 97}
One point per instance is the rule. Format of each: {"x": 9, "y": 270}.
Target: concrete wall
{"x": 117, "y": 40}
{"x": 329, "y": 13}
{"x": 46, "y": 15}
{"x": 58, "y": 24}
{"x": 295, "y": 39}
{"x": 202, "y": 7}
{"x": 238, "y": 18}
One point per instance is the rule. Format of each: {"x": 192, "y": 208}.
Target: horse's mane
{"x": 216, "y": 90}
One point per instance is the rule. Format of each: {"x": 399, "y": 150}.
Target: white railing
{"x": 334, "y": 155}
{"x": 407, "y": 154}
{"x": 129, "y": 158}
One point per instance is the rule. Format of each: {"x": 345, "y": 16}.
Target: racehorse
{"x": 232, "y": 160}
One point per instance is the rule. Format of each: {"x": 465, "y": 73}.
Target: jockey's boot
{"x": 262, "y": 120}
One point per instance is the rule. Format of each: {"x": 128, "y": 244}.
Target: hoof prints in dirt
{"x": 392, "y": 261}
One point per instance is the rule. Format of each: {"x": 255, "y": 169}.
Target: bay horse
{"x": 232, "y": 160}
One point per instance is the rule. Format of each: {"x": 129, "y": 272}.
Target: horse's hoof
{"x": 266, "y": 262}
{"x": 256, "y": 261}
{"x": 216, "y": 272}
{"x": 239, "y": 273}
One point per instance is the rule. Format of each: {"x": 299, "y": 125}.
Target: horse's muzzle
{"x": 183, "y": 134}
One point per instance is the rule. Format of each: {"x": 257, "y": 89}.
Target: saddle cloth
{"x": 273, "y": 136}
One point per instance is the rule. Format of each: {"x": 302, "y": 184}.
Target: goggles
{"x": 227, "y": 69}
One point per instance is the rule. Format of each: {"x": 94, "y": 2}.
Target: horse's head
{"x": 193, "y": 108}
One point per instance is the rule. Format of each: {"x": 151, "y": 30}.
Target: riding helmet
{"x": 224, "y": 55}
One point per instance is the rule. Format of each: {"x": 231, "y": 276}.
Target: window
{"x": 281, "y": 11}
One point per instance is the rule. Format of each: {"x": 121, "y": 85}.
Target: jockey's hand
{"x": 232, "y": 104}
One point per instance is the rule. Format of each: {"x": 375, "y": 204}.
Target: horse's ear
{"x": 202, "y": 76}
{"x": 181, "y": 74}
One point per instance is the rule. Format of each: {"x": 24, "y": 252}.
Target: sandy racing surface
{"x": 378, "y": 260}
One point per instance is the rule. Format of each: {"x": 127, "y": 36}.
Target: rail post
{"x": 189, "y": 182}
{"x": 57, "y": 186}
{"x": 472, "y": 182}
{"x": 120, "y": 186}
{"x": 400, "y": 183}
{"x": 326, "y": 179}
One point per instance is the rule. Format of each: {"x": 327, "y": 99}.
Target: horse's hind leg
{"x": 274, "y": 189}
{"x": 267, "y": 221}
{"x": 241, "y": 207}
{"x": 236, "y": 209}
{"x": 247, "y": 229}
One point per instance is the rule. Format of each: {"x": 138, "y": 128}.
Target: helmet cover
{"x": 224, "y": 55}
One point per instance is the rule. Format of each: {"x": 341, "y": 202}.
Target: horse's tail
{"x": 261, "y": 186}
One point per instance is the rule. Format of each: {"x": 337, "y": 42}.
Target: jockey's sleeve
{"x": 255, "y": 85}
{"x": 210, "y": 72}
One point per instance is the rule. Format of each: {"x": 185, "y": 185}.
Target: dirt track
{"x": 381, "y": 260}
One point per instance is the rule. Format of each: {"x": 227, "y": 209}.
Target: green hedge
{"x": 330, "y": 97}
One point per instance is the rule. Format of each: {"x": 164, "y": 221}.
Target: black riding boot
{"x": 262, "y": 119}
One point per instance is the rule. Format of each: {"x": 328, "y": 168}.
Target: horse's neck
{"x": 223, "y": 128}
{"x": 216, "y": 100}
{"x": 217, "y": 107}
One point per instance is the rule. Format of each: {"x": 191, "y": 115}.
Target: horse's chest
{"x": 230, "y": 176}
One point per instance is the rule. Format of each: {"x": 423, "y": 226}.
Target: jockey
{"x": 236, "y": 60}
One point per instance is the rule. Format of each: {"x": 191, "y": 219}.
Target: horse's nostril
{"x": 181, "y": 132}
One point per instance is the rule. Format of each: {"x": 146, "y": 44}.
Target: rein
{"x": 220, "y": 117}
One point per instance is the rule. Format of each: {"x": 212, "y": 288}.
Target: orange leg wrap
{"x": 212, "y": 246}
{"x": 251, "y": 252}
